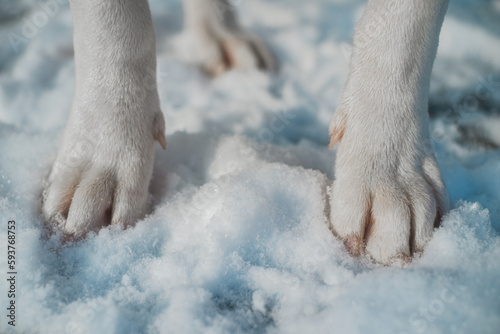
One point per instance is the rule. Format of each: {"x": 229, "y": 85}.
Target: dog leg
{"x": 220, "y": 42}
{"x": 104, "y": 163}
{"x": 388, "y": 194}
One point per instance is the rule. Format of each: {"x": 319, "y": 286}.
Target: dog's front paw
{"x": 388, "y": 195}
{"x": 101, "y": 173}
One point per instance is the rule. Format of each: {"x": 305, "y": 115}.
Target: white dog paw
{"x": 388, "y": 194}
{"x": 101, "y": 173}
{"x": 220, "y": 44}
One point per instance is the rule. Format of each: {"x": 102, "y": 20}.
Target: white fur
{"x": 388, "y": 190}
{"x": 104, "y": 164}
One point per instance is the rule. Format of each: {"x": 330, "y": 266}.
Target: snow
{"x": 238, "y": 241}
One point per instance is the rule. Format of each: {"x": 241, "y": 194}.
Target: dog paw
{"x": 388, "y": 194}
{"x": 101, "y": 173}
{"x": 220, "y": 44}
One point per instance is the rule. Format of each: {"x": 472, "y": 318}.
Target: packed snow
{"x": 237, "y": 240}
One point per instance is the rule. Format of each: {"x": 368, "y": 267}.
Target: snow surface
{"x": 238, "y": 240}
